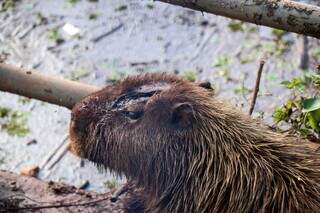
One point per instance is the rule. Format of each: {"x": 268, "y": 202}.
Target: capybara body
{"x": 187, "y": 151}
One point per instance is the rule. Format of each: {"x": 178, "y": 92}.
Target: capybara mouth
{"x": 75, "y": 141}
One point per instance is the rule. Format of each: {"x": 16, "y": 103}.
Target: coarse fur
{"x": 187, "y": 151}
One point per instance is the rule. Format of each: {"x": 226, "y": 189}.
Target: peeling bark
{"x": 281, "y": 14}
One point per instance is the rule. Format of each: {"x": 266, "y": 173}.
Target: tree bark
{"x": 33, "y": 84}
{"x": 281, "y": 14}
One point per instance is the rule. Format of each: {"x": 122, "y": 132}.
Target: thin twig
{"x": 119, "y": 192}
{"x": 51, "y": 155}
{"x": 97, "y": 39}
{"x": 60, "y": 155}
{"x": 256, "y": 87}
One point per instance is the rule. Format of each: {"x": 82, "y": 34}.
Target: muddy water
{"x": 125, "y": 37}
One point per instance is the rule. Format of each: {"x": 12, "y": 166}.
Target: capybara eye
{"x": 134, "y": 115}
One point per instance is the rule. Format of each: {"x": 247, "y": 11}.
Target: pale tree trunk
{"x": 281, "y": 14}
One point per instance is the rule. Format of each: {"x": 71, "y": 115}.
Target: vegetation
{"x": 302, "y": 111}
{"x": 190, "y": 76}
{"x": 73, "y": 2}
{"x": 121, "y": 8}
{"x": 7, "y": 4}
{"x": 78, "y": 74}
{"x": 55, "y": 36}
{"x": 14, "y": 122}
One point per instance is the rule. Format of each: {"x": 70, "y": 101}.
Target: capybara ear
{"x": 206, "y": 85}
{"x": 183, "y": 115}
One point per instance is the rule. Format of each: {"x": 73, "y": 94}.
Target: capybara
{"x": 185, "y": 150}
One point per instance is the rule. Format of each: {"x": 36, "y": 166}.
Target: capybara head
{"x": 132, "y": 126}
{"x": 190, "y": 151}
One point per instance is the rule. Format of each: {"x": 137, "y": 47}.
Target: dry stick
{"x": 119, "y": 192}
{"x": 285, "y": 15}
{"x": 62, "y": 205}
{"x": 113, "y": 30}
{"x": 33, "y": 84}
{"x": 51, "y": 155}
{"x": 61, "y": 154}
{"x": 256, "y": 87}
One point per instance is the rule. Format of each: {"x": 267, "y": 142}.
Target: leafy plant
{"x": 150, "y": 6}
{"x": 222, "y": 61}
{"x": 311, "y": 109}
{"x": 242, "y": 90}
{"x": 7, "y": 4}
{"x": 235, "y": 26}
{"x": 302, "y": 112}
{"x": 73, "y": 2}
{"x": 78, "y": 74}
{"x": 295, "y": 83}
{"x": 121, "y": 8}
{"x": 13, "y": 122}
{"x": 190, "y": 76}
{"x": 278, "y": 33}
{"x": 55, "y": 36}
{"x": 93, "y": 16}
{"x": 41, "y": 19}
{"x": 115, "y": 76}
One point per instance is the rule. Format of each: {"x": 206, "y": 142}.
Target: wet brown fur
{"x": 210, "y": 158}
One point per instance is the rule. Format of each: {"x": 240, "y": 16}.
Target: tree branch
{"x": 33, "y": 84}
{"x": 281, "y": 14}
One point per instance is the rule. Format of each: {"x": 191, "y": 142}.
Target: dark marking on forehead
{"x": 140, "y": 93}
{"x": 123, "y": 99}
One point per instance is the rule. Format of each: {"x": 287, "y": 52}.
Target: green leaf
{"x": 235, "y": 26}
{"x": 14, "y": 122}
{"x": 221, "y": 61}
{"x": 315, "y": 79}
{"x": 242, "y": 90}
{"x": 190, "y": 76}
{"x": 280, "y": 114}
{"x": 278, "y": 33}
{"x": 4, "y": 112}
{"x": 312, "y": 122}
{"x": 295, "y": 83}
{"x": 311, "y": 104}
